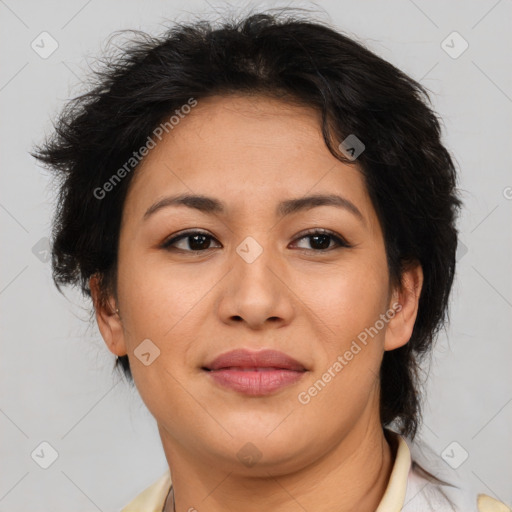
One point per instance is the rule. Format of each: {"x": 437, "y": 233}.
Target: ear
{"x": 109, "y": 322}
{"x": 404, "y": 302}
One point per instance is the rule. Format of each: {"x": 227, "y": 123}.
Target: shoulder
{"x": 488, "y": 504}
{"x": 433, "y": 487}
{"x": 425, "y": 492}
{"x": 151, "y": 499}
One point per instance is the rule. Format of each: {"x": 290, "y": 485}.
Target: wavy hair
{"x": 409, "y": 174}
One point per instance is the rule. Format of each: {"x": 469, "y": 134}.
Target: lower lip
{"x": 256, "y": 383}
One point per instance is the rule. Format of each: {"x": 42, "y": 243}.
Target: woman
{"x": 264, "y": 217}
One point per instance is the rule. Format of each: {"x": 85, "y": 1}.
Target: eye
{"x": 190, "y": 241}
{"x": 320, "y": 240}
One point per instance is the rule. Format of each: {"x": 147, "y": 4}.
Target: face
{"x": 252, "y": 268}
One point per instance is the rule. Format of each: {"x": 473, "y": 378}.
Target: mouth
{"x": 249, "y": 369}
{"x": 254, "y": 373}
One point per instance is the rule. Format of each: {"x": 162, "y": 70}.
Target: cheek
{"x": 156, "y": 294}
{"x": 345, "y": 379}
{"x": 347, "y": 307}
{"x": 349, "y": 297}
{"x": 164, "y": 303}
{"x": 156, "y": 304}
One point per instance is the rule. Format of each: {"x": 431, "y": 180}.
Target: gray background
{"x": 56, "y": 379}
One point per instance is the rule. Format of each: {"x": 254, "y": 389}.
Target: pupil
{"x": 322, "y": 245}
{"x": 199, "y": 246}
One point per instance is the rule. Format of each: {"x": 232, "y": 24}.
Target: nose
{"x": 256, "y": 291}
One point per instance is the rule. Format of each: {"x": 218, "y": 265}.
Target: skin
{"x": 251, "y": 152}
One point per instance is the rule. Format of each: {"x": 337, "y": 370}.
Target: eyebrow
{"x": 214, "y": 206}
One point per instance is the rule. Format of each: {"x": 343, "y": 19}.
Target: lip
{"x": 244, "y": 358}
{"x": 255, "y": 373}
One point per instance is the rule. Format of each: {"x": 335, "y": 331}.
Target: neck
{"x": 351, "y": 477}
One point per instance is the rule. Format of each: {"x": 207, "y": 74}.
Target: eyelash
{"x": 342, "y": 243}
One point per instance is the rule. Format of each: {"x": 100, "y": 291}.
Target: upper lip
{"x": 244, "y": 358}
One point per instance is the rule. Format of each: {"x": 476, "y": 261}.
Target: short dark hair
{"x": 409, "y": 174}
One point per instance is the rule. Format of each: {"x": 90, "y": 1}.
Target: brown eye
{"x": 321, "y": 240}
{"x": 191, "y": 241}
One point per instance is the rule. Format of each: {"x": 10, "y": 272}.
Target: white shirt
{"x": 408, "y": 489}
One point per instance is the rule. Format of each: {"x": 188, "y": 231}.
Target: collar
{"x": 152, "y": 499}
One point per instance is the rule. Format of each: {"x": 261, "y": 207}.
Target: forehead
{"x": 236, "y": 127}
{"x": 246, "y": 148}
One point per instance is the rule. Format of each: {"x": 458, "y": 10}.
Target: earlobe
{"x": 400, "y": 327}
{"x": 107, "y": 318}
